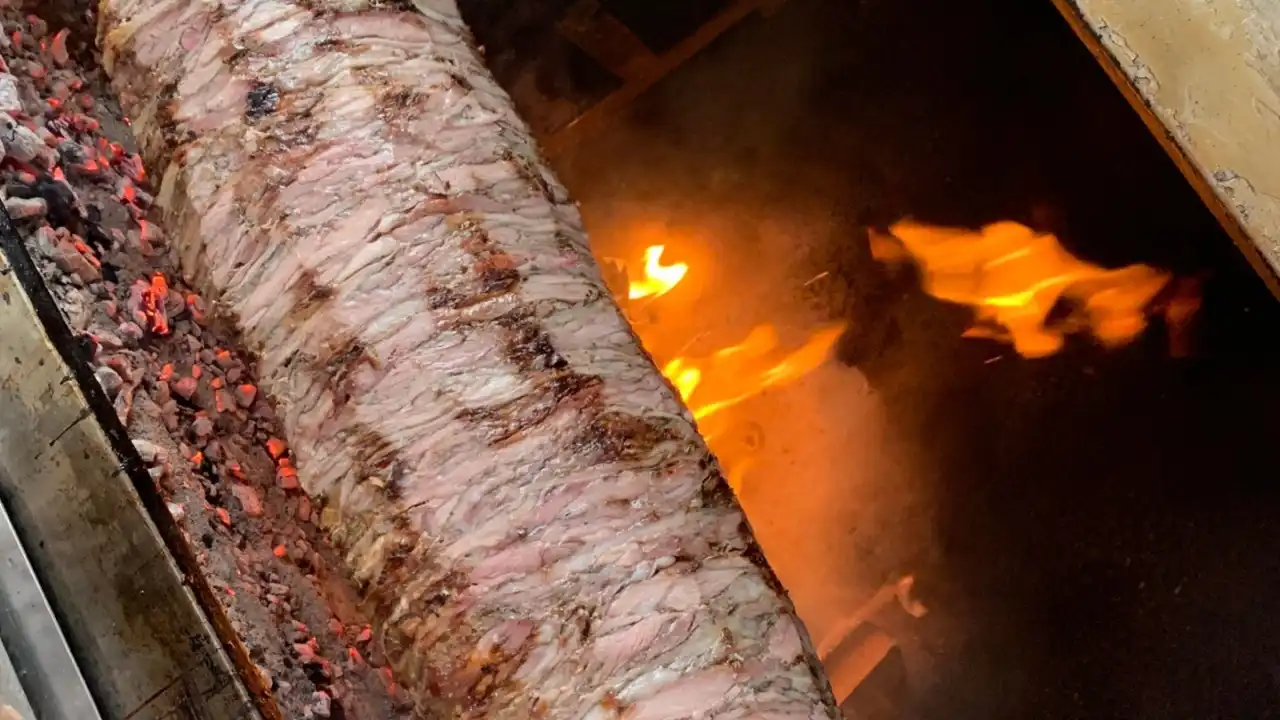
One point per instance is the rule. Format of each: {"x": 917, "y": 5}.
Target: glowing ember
{"x": 658, "y": 278}
{"x": 154, "y": 298}
{"x": 276, "y": 447}
{"x": 1013, "y": 278}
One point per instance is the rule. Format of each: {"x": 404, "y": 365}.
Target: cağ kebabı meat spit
{"x": 519, "y": 492}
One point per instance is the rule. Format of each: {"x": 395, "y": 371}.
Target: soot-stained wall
{"x": 1092, "y": 531}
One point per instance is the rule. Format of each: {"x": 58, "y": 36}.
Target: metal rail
{"x": 39, "y": 677}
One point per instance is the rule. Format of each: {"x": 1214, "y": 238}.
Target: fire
{"x": 756, "y": 359}
{"x": 713, "y": 383}
{"x": 1014, "y": 278}
{"x": 658, "y": 279}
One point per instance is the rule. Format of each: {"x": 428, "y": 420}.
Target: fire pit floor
{"x": 80, "y": 199}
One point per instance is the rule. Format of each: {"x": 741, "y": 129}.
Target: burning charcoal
{"x": 150, "y": 452}
{"x": 222, "y": 358}
{"x": 322, "y": 707}
{"x": 71, "y": 261}
{"x": 196, "y": 305}
{"x": 131, "y": 332}
{"x": 245, "y": 395}
{"x": 10, "y": 98}
{"x": 63, "y": 206}
{"x": 120, "y": 364}
{"x": 305, "y": 652}
{"x": 287, "y": 475}
{"x": 20, "y": 143}
{"x": 132, "y": 168}
{"x": 110, "y": 381}
{"x": 70, "y": 152}
{"x": 174, "y": 304}
{"x": 224, "y": 400}
{"x": 108, "y": 340}
{"x": 58, "y": 48}
{"x": 124, "y": 405}
{"x": 20, "y": 208}
{"x": 169, "y": 414}
{"x": 46, "y": 240}
{"x": 136, "y": 303}
{"x": 202, "y": 427}
{"x": 249, "y": 501}
{"x": 38, "y": 27}
{"x": 185, "y": 387}
{"x": 158, "y": 473}
{"x": 144, "y": 200}
{"x": 304, "y": 508}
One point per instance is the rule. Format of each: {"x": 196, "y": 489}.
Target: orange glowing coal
{"x": 658, "y": 279}
{"x": 716, "y": 381}
{"x": 1014, "y": 278}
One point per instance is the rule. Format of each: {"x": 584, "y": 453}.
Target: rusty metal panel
{"x": 128, "y": 613}
{"x": 1205, "y": 76}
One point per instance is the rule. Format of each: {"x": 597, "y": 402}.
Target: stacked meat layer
{"x": 521, "y": 495}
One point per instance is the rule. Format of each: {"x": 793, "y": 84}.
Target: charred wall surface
{"x": 1093, "y": 531}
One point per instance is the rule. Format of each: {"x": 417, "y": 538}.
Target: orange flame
{"x": 728, "y": 376}
{"x": 658, "y": 278}
{"x": 1013, "y": 278}
{"x": 742, "y": 371}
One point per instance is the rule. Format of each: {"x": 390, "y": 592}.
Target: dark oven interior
{"x": 1093, "y": 532}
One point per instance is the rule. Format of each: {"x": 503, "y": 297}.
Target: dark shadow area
{"x": 1104, "y": 526}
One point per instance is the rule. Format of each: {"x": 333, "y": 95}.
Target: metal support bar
{"x": 604, "y": 111}
{"x": 607, "y": 40}
{"x": 51, "y": 685}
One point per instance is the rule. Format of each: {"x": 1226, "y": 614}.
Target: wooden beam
{"x": 856, "y": 660}
{"x": 1204, "y": 75}
{"x": 607, "y": 40}
{"x": 599, "y": 115}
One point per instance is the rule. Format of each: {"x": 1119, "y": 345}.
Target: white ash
{"x": 20, "y": 143}
{"x": 10, "y": 97}
{"x": 22, "y": 208}
{"x": 150, "y": 452}
{"x": 110, "y": 381}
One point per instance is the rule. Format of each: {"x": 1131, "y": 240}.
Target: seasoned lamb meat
{"x": 520, "y": 494}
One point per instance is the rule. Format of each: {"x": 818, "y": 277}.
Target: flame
{"x": 739, "y": 372}
{"x": 1013, "y": 278}
{"x": 713, "y": 383}
{"x": 658, "y": 278}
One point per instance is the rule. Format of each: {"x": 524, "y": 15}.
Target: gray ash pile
{"x": 78, "y": 193}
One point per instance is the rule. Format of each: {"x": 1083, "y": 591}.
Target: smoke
{"x": 728, "y": 163}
